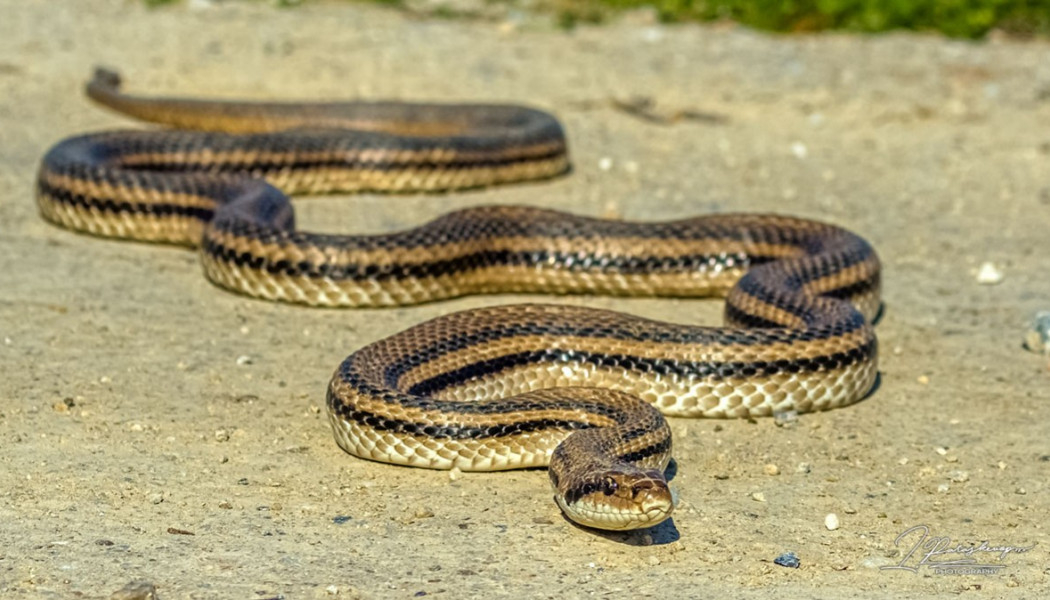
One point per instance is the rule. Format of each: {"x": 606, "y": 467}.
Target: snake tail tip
{"x": 106, "y": 77}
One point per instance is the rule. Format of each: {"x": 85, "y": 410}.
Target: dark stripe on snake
{"x": 698, "y": 336}
{"x": 505, "y": 405}
{"x": 460, "y": 432}
{"x": 658, "y": 448}
{"x": 711, "y": 371}
{"x": 349, "y": 162}
{"x": 860, "y": 288}
{"x": 466, "y": 263}
{"x": 118, "y": 207}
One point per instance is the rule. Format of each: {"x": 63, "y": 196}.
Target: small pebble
{"x": 941, "y": 450}
{"x": 959, "y": 476}
{"x": 136, "y": 590}
{"x": 831, "y": 521}
{"x": 772, "y": 469}
{"x": 454, "y": 474}
{"x": 785, "y": 418}
{"x": 1038, "y": 337}
{"x": 605, "y": 163}
{"x": 923, "y": 380}
{"x": 758, "y": 497}
{"x": 989, "y": 274}
{"x": 799, "y": 150}
{"x": 788, "y": 559}
{"x": 943, "y": 488}
{"x": 803, "y": 468}
{"x": 653, "y": 34}
{"x": 876, "y": 562}
{"x": 243, "y": 360}
{"x": 612, "y": 210}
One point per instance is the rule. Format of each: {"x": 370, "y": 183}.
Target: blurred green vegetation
{"x": 956, "y": 18}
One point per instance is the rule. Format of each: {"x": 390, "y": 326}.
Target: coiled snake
{"x": 492, "y": 388}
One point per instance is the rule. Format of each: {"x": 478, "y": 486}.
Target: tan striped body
{"x": 502, "y": 387}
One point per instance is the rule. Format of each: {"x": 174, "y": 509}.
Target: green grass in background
{"x": 956, "y": 18}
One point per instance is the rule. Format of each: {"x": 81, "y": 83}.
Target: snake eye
{"x": 609, "y": 486}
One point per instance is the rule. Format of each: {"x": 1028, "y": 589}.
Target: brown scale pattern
{"x": 494, "y": 388}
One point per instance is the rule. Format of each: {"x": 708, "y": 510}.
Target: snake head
{"x": 619, "y": 500}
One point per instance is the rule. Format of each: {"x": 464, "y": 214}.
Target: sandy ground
{"x": 138, "y": 444}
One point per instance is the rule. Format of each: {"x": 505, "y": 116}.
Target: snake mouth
{"x": 599, "y": 517}
{"x": 645, "y": 503}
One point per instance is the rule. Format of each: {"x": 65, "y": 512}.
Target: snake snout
{"x": 647, "y": 498}
{"x": 652, "y": 494}
{"x": 643, "y": 487}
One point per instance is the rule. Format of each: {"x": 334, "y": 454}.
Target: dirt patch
{"x": 157, "y": 428}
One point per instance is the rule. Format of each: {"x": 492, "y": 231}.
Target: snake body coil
{"x": 502, "y": 387}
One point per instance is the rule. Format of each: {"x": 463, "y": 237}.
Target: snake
{"x": 582, "y": 391}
